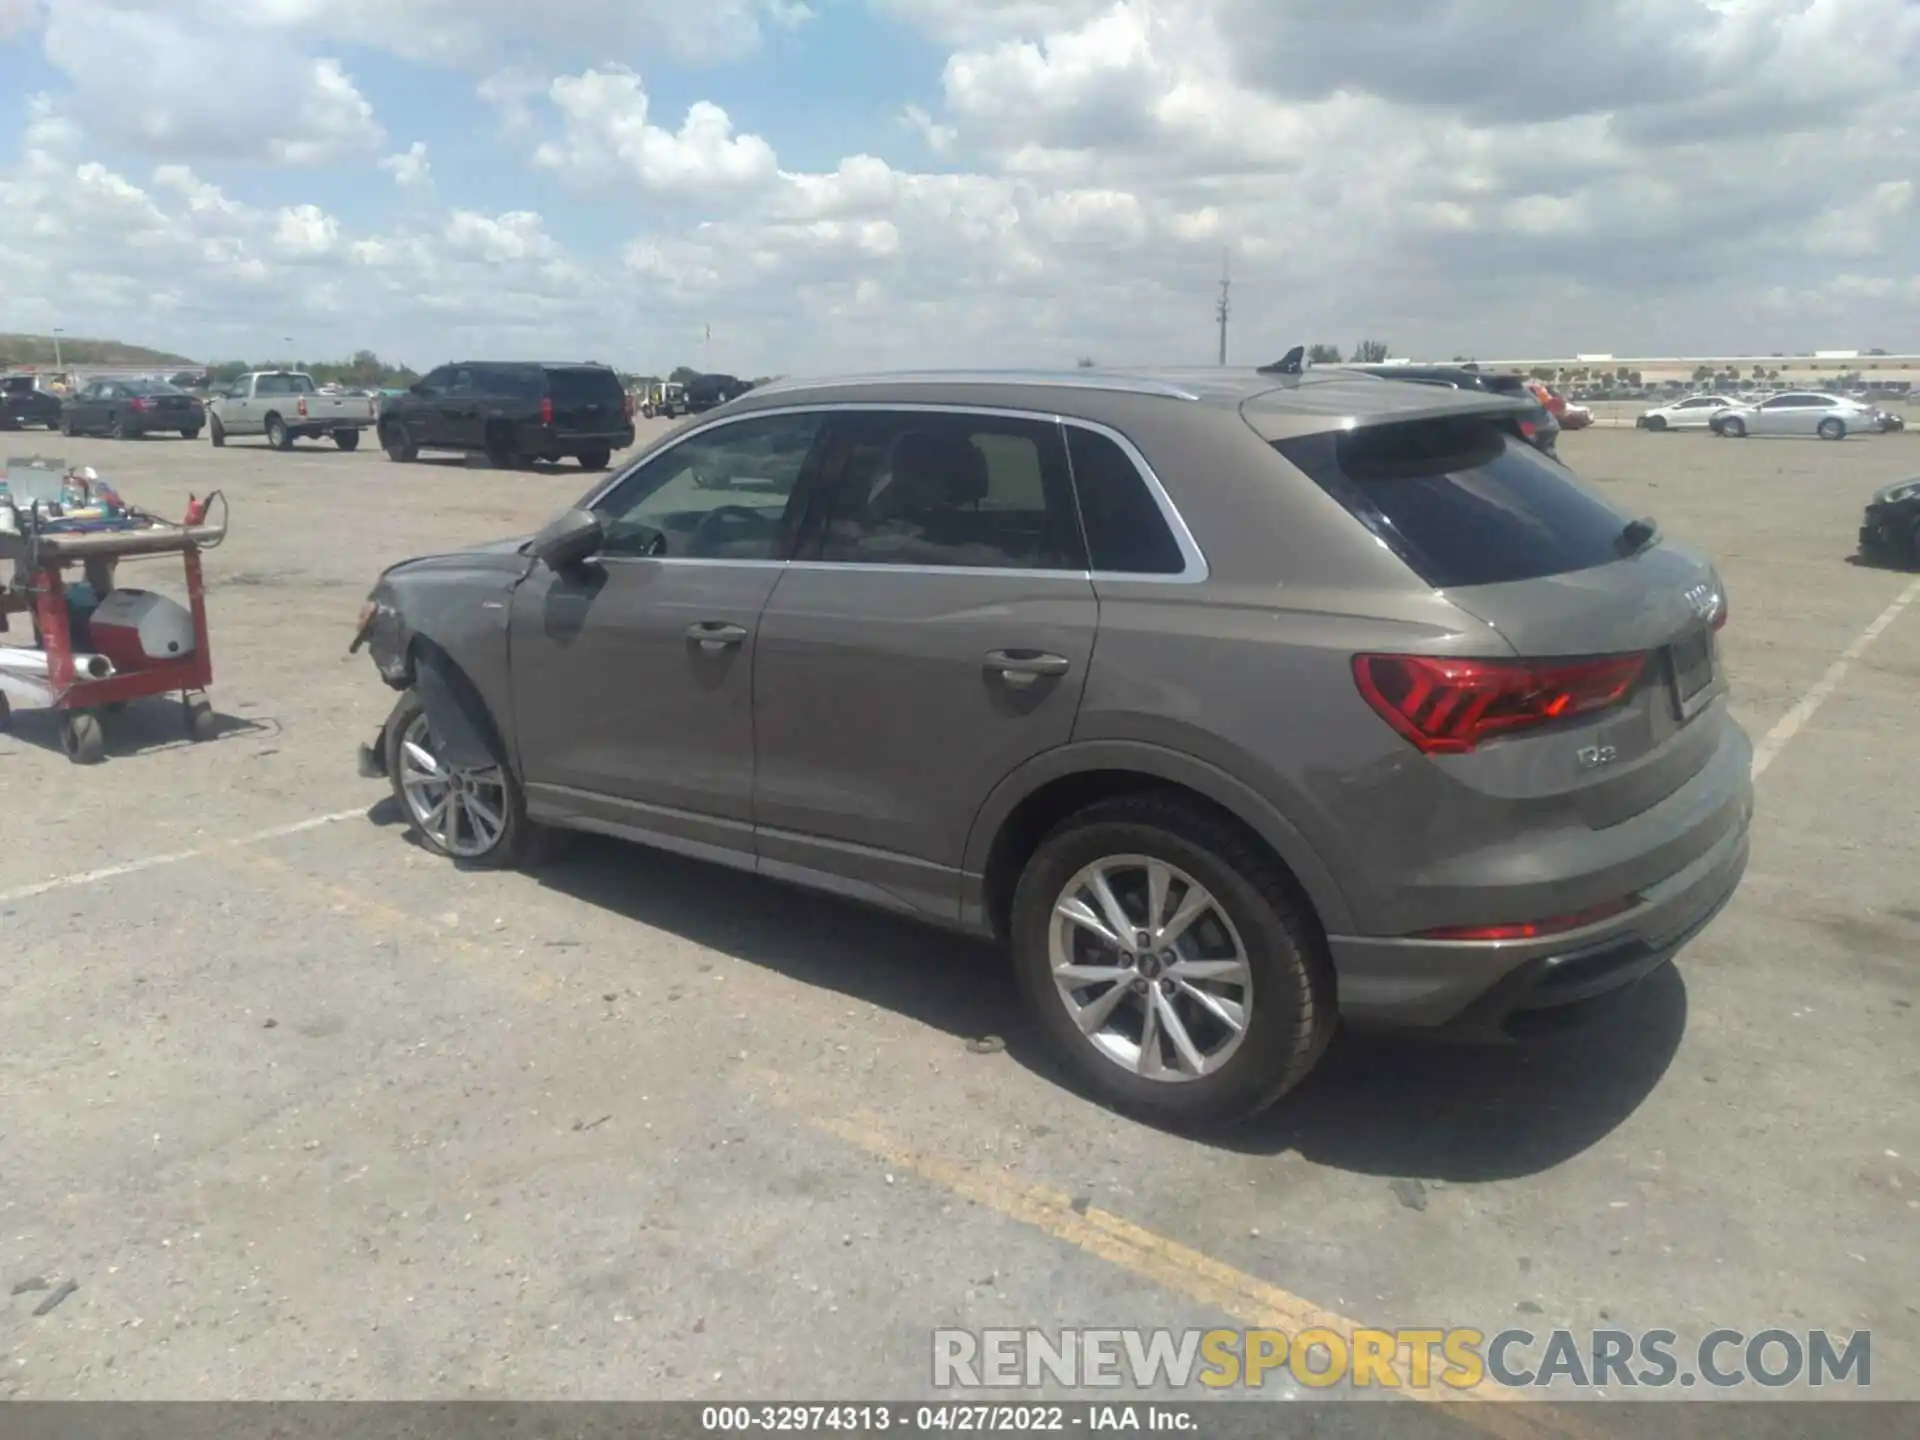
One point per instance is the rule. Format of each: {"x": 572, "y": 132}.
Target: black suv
{"x": 512, "y": 412}
{"x": 706, "y": 392}
{"x": 23, "y": 403}
{"x": 1537, "y": 423}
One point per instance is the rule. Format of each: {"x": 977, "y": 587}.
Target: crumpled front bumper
{"x": 373, "y": 758}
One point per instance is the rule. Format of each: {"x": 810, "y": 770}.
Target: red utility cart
{"x": 84, "y": 688}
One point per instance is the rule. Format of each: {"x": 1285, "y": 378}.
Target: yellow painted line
{"x": 387, "y": 919}
{"x": 1173, "y": 1267}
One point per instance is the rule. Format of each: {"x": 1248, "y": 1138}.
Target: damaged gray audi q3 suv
{"x": 1234, "y": 703}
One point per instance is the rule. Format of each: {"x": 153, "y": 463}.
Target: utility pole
{"x": 1222, "y": 309}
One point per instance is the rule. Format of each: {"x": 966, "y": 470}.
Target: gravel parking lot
{"x": 306, "y": 1113}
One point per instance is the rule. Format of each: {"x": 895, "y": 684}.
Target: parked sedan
{"x": 911, "y": 640}
{"x": 1798, "y": 412}
{"x": 1890, "y": 529}
{"x": 128, "y": 409}
{"x": 1696, "y": 412}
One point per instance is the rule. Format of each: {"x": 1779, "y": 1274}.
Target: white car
{"x": 1692, "y": 413}
{"x": 1798, "y": 412}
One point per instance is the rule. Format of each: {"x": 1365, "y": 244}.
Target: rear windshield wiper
{"x": 1638, "y": 535}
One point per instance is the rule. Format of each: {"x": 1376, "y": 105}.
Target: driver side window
{"x": 725, "y": 494}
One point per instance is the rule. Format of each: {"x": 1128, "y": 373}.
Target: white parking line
{"x": 1768, "y": 750}
{"x": 154, "y": 862}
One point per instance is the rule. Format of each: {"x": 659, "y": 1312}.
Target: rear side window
{"x": 510, "y": 383}
{"x": 973, "y": 491}
{"x": 585, "y": 387}
{"x": 1462, "y": 500}
{"x": 1126, "y": 533}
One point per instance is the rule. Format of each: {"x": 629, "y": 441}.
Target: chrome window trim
{"x": 1195, "y": 572}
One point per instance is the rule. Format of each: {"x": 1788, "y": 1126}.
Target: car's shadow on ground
{"x": 1378, "y": 1105}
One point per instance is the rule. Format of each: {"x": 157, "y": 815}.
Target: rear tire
{"x": 1734, "y": 429}
{"x": 189, "y": 432}
{"x": 595, "y": 459}
{"x": 347, "y": 439}
{"x": 278, "y": 436}
{"x": 66, "y": 426}
{"x": 1254, "y": 913}
{"x": 398, "y": 444}
{"x": 117, "y": 428}
{"x": 516, "y": 842}
{"x": 1832, "y": 429}
{"x": 216, "y": 432}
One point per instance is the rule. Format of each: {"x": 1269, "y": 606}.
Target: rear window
{"x": 1462, "y": 500}
{"x": 19, "y": 384}
{"x": 585, "y": 387}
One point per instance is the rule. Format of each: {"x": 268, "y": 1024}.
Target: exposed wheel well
{"x": 1033, "y": 818}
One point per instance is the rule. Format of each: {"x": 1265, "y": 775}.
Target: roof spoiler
{"x": 1292, "y": 363}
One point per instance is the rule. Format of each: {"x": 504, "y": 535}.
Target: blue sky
{"x": 850, "y": 183}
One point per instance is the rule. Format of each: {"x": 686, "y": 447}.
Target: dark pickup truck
{"x": 24, "y": 405}
{"x": 512, "y": 412}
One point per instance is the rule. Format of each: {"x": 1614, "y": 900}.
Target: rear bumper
{"x": 169, "y": 424}
{"x": 1501, "y": 989}
{"x": 546, "y": 440}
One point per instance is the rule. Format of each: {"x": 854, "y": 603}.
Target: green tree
{"x": 1370, "y": 352}
{"x": 1323, "y": 354}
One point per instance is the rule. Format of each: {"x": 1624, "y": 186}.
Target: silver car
{"x": 1233, "y": 703}
{"x": 1797, "y": 412}
{"x": 1693, "y": 413}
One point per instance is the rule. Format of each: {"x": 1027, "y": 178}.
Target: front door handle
{"x": 713, "y": 636}
{"x": 1020, "y": 668}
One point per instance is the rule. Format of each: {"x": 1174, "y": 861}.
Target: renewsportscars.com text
{"x": 1418, "y": 1359}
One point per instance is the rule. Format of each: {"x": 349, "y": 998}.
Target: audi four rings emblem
{"x": 1703, "y": 600}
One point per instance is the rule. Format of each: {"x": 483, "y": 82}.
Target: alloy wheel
{"x": 464, "y": 812}
{"x": 1151, "y": 968}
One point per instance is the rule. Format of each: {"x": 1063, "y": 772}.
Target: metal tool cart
{"x": 98, "y": 644}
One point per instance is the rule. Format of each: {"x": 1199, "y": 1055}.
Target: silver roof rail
{"x": 1060, "y": 379}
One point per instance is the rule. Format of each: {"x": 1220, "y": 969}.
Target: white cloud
{"x": 17, "y": 15}
{"x": 152, "y": 80}
{"x": 607, "y": 139}
{"x": 410, "y": 168}
{"x": 1682, "y": 174}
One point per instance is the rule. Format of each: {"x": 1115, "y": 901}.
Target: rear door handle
{"x": 713, "y": 636}
{"x": 1020, "y": 668}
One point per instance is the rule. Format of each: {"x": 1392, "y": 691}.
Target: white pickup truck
{"x": 285, "y": 406}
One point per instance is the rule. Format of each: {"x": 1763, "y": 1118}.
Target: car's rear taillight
{"x": 1534, "y": 929}
{"x": 303, "y": 405}
{"x": 546, "y": 409}
{"x": 1529, "y": 429}
{"x": 141, "y": 404}
{"x": 1449, "y": 706}
{"x": 626, "y": 406}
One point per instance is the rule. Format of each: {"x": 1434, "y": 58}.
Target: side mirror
{"x": 569, "y": 539}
